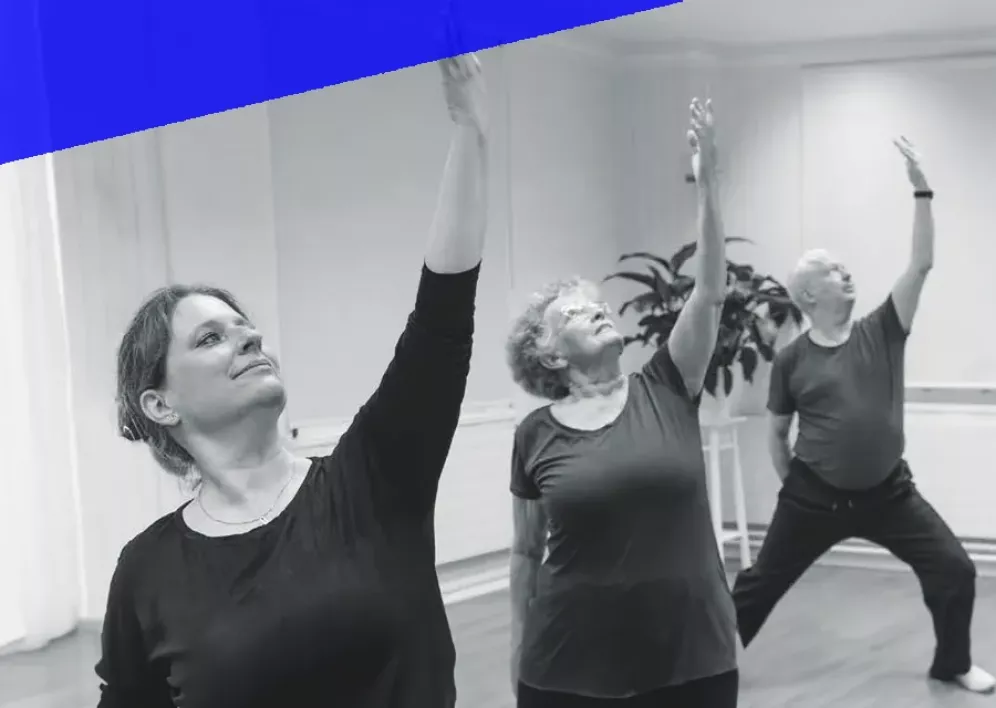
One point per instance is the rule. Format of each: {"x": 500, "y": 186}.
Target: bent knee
{"x": 964, "y": 568}
{"x": 957, "y": 569}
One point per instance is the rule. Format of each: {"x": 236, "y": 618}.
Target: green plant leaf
{"x": 662, "y": 262}
{"x": 685, "y": 253}
{"x": 752, "y": 299}
{"x": 727, "y": 380}
{"x": 648, "y": 281}
{"x": 709, "y": 383}
{"x": 642, "y": 302}
{"x": 748, "y": 362}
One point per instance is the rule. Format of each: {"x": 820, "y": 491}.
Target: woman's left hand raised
{"x": 466, "y": 98}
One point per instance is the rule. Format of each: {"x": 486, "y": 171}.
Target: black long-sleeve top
{"x": 333, "y": 604}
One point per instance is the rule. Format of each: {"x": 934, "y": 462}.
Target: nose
{"x": 252, "y": 342}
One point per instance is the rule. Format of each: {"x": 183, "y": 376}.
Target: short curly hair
{"x": 529, "y": 339}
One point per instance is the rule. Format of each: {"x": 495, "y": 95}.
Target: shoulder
{"x": 534, "y": 435}
{"x": 660, "y": 376}
{"x": 145, "y": 551}
{"x": 885, "y": 316}
{"x": 163, "y": 529}
{"x": 788, "y": 354}
{"x": 532, "y": 426}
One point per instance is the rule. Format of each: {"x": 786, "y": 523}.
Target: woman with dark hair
{"x": 619, "y": 597}
{"x": 288, "y": 581}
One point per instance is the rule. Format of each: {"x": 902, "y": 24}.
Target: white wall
{"x": 947, "y": 107}
{"x": 805, "y": 144}
{"x": 314, "y": 210}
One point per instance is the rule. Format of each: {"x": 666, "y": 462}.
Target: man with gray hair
{"x": 846, "y": 477}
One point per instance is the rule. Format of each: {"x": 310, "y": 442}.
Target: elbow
{"x": 920, "y": 267}
{"x": 525, "y": 557}
{"x": 778, "y": 442}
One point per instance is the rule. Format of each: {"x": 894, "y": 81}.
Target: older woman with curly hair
{"x": 619, "y": 595}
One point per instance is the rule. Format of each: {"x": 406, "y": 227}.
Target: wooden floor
{"x": 843, "y": 637}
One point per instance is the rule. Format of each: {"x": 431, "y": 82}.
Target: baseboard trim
{"x": 307, "y": 435}
{"x": 487, "y": 573}
{"x": 491, "y": 570}
{"x": 857, "y": 553}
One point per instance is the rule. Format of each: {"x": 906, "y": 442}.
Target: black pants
{"x": 713, "y": 692}
{"x": 812, "y": 516}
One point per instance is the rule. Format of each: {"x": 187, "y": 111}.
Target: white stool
{"x": 720, "y": 435}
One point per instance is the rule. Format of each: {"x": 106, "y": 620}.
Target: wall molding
{"x": 491, "y": 571}
{"x": 976, "y": 395}
{"x": 325, "y": 432}
{"x": 698, "y": 53}
{"x": 857, "y": 553}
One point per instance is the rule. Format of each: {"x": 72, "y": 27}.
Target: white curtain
{"x": 40, "y": 588}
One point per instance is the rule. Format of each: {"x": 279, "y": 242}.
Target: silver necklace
{"x": 262, "y": 518}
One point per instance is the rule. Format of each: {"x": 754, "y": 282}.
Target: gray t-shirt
{"x": 632, "y": 595}
{"x": 849, "y": 399}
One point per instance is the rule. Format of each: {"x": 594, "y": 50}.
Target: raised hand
{"x": 913, "y": 169}
{"x": 466, "y": 98}
{"x": 702, "y": 138}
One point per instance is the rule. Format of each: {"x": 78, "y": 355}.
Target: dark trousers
{"x": 712, "y": 692}
{"x": 812, "y": 516}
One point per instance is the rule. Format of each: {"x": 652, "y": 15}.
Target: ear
{"x": 157, "y": 408}
{"x": 806, "y": 301}
{"x": 553, "y": 361}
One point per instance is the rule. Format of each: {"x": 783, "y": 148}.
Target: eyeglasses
{"x": 573, "y": 312}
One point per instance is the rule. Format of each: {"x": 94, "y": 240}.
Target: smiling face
{"x": 217, "y": 369}
{"x": 583, "y": 332}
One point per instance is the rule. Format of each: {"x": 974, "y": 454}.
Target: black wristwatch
{"x": 923, "y": 194}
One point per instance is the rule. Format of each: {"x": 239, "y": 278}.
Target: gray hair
{"x": 801, "y": 274}
{"x": 530, "y": 339}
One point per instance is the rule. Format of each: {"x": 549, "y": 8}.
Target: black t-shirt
{"x": 336, "y": 602}
{"x": 631, "y": 595}
{"x": 849, "y": 399}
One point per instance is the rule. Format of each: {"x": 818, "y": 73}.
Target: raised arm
{"x": 456, "y": 243}
{"x": 409, "y": 422}
{"x": 693, "y": 339}
{"x": 906, "y": 291}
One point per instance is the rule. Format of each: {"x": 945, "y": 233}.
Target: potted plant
{"x": 757, "y": 307}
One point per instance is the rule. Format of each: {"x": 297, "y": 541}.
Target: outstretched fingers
{"x": 905, "y": 146}
{"x": 460, "y": 68}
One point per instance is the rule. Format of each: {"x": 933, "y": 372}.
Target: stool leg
{"x": 740, "y": 503}
{"x": 716, "y": 489}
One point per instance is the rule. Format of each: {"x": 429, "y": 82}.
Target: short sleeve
{"x": 522, "y": 485}
{"x": 780, "y": 399}
{"x": 126, "y": 676}
{"x": 661, "y": 369}
{"x": 884, "y": 321}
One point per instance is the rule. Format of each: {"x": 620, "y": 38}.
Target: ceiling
{"x": 762, "y": 22}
